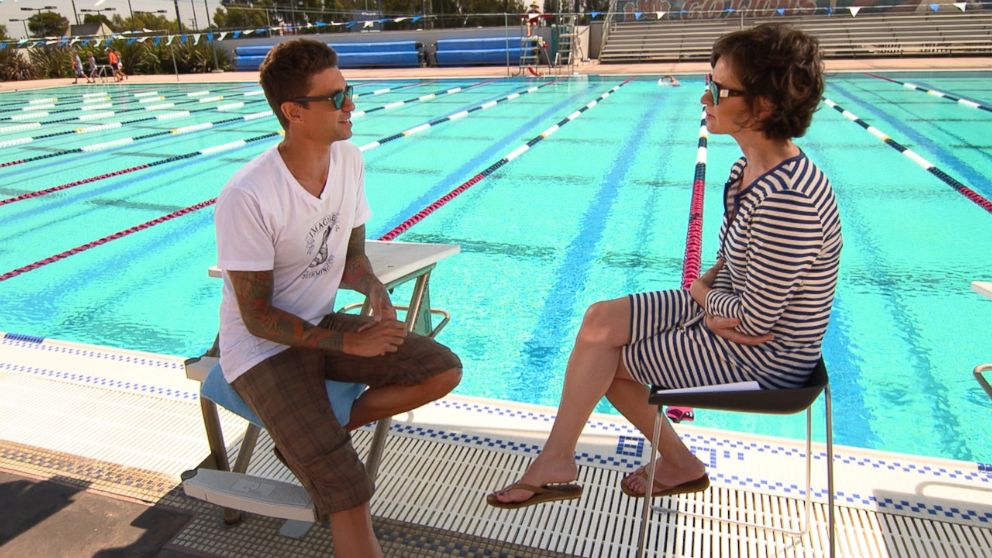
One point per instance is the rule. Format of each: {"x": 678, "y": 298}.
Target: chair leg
{"x": 830, "y": 472}
{"x": 215, "y": 436}
{"x": 378, "y": 444}
{"x": 642, "y": 536}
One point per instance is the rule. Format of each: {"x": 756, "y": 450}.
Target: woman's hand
{"x": 724, "y": 327}
{"x": 700, "y": 288}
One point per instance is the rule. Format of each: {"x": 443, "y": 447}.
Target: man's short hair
{"x": 286, "y": 72}
{"x": 783, "y": 65}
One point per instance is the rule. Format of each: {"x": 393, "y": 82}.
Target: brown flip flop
{"x": 542, "y": 494}
{"x": 696, "y": 485}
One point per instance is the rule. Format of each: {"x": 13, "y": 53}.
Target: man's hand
{"x": 382, "y": 306}
{"x": 724, "y": 327}
{"x": 375, "y": 338}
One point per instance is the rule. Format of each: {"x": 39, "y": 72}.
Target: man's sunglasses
{"x": 717, "y": 91}
{"x": 337, "y": 98}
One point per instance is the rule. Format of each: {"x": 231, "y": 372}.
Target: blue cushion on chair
{"x": 215, "y": 388}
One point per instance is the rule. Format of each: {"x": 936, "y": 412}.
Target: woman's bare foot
{"x": 665, "y": 477}
{"x": 544, "y": 470}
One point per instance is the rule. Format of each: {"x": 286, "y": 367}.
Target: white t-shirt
{"x": 265, "y": 220}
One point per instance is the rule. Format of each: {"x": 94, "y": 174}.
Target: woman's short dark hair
{"x": 783, "y": 65}
{"x": 286, "y": 72}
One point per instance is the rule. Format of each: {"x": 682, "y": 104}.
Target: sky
{"x": 11, "y": 9}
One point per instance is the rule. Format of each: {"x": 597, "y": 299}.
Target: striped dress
{"x": 781, "y": 240}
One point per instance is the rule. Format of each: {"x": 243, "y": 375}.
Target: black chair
{"x": 772, "y": 401}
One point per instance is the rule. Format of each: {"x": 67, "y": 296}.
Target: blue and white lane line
{"x": 105, "y": 97}
{"x": 454, "y": 116}
{"x": 201, "y": 96}
{"x": 937, "y": 93}
{"x": 421, "y": 98}
{"x": 238, "y": 144}
{"x": 913, "y": 156}
{"x": 424, "y": 213}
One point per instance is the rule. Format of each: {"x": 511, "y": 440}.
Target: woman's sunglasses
{"x": 337, "y": 98}
{"x": 717, "y": 91}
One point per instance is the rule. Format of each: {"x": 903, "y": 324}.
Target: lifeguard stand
{"x": 567, "y": 46}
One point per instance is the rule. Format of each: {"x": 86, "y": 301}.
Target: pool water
{"x": 596, "y": 211}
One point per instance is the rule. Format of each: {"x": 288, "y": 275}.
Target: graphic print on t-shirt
{"x": 317, "y": 246}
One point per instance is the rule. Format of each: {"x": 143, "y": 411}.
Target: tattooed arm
{"x": 254, "y": 292}
{"x": 358, "y": 276}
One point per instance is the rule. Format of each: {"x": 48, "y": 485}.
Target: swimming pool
{"x": 596, "y": 210}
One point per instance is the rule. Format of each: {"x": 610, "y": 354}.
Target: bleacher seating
{"x": 494, "y": 50}
{"x": 350, "y": 55}
{"x": 841, "y": 36}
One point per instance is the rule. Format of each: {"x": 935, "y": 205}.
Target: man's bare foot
{"x": 544, "y": 470}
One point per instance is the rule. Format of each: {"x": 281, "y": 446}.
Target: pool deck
{"x": 592, "y": 67}
{"x": 93, "y": 441}
{"x": 86, "y": 429}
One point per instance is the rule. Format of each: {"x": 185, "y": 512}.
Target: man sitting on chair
{"x": 290, "y": 232}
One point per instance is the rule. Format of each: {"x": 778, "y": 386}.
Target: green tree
{"x": 240, "y": 18}
{"x": 48, "y": 24}
{"x": 3, "y": 32}
{"x": 99, "y": 18}
{"x": 144, "y": 20}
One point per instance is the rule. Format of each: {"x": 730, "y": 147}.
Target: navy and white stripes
{"x": 781, "y": 243}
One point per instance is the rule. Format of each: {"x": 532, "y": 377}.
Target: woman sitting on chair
{"x": 758, "y": 315}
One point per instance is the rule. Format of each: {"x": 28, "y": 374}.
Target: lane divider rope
{"x": 454, "y": 116}
{"x": 205, "y": 151}
{"x": 239, "y": 143}
{"x": 232, "y": 145}
{"x": 425, "y": 97}
{"x": 111, "y": 125}
{"x": 440, "y": 202}
{"x": 125, "y": 141}
{"x": 62, "y": 255}
{"x": 935, "y": 93}
{"x": 199, "y": 96}
{"x": 911, "y": 155}
{"x": 691, "y": 263}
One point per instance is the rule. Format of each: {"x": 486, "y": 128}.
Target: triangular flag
{"x": 196, "y": 38}
{"x": 157, "y": 41}
{"x": 854, "y": 10}
{"x": 236, "y": 34}
{"x": 660, "y": 14}
{"x": 3, "y": 46}
{"x": 169, "y": 42}
{"x": 830, "y": 10}
{"x": 781, "y": 11}
{"x": 637, "y": 15}
{"x": 210, "y": 37}
{"x": 74, "y": 40}
{"x": 247, "y": 31}
{"x": 51, "y": 41}
{"x": 223, "y": 35}
{"x": 934, "y": 7}
{"x": 594, "y": 15}
{"x": 730, "y": 10}
{"x": 368, "y": 24}
{"x": 131, "y": 41}
{"x": 399, "y": 19}
{"x": 85, "y": 42}
{"x": 416, "y": 19}
{"x": 960, "y": 5}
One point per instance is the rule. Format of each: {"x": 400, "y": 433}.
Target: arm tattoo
{"x": 358, "y": 273}
{"x": 253, "y": 290}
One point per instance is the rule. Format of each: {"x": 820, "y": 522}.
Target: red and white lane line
{"x": 691, "y": 263}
